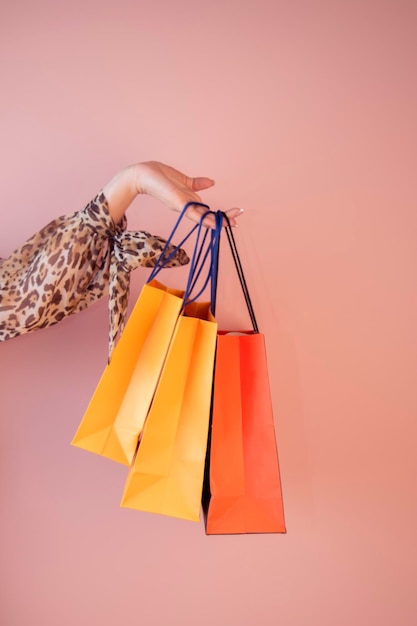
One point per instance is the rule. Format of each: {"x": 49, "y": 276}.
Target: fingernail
{"x": 242, "y": 210}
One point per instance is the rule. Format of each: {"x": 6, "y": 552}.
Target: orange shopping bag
{"x": 167, "y": 474}
{"x": 117, "y": 410}
{"x": 244, "y": 488}
{"x": 116, "y": 413}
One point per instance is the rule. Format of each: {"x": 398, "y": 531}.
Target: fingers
{"x": 196, "y": 212}
{"x": 175, "y": 189}
{"x": 200, "y": 183}
{"x": 233, "y": 215}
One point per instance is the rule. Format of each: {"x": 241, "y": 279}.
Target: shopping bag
{"x": 243, "y": 486}
{"x": 167, "y": 474}
{"x": 116, "y": 413}
{"x": 118, "y": 407}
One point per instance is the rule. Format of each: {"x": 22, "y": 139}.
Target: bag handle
{"x": 215, "y": 260}
{"x": 201, "y": 252}
{"x": 162, "y": 260}
{"x": 211, "y": 252}
{"x": 197, "y": 264}
{"x": 241, "y": 275}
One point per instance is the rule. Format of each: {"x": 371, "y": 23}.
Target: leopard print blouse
{"x": 71, "y": 263}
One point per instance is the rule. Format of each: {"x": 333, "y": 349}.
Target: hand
{"x": 176, "y": 189}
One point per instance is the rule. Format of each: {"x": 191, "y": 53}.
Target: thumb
{"x": 200, "y": 183}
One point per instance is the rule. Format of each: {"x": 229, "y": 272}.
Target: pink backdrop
{"x": 304, "y": 113}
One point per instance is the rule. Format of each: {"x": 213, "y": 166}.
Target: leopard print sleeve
{"x": 71, "y": 263}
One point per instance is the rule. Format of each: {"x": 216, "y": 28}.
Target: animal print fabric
{"x": 71, "y": 263}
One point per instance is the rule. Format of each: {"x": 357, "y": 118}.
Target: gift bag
{"x": 167, "y": 474}
{"x": 243, "y": 482}
{"x": 116, "y": 413}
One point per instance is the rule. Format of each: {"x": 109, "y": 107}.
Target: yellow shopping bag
{"x": 167, "y": 474}
{"x": 115, "y": 416}
{"x": 116, "y": 413}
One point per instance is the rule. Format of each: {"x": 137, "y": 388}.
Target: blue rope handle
{"x": 196, "y": 266}
{"x": 215, "y": 261}
{"x": 199, "y": 265}
{"x": 163, "y": 262}
{"x": 211, "y": 252}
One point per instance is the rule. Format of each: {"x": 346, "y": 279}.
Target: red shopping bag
{"x": 243, "y": 486}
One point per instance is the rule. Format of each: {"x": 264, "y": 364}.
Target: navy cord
{"x": 162, "y": 262}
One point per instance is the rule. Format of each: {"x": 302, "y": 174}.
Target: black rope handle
{"x": 241, "y": 275}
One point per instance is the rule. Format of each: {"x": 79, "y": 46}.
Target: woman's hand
{"x": 176, "y": 189}
{"x": 164, "y": 183}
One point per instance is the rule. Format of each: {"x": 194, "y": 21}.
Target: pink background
{"x": 304, "y": 113}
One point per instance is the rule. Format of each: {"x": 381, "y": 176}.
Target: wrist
{"x": 120, "y": 192}
{"x": 137, "y": 177}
